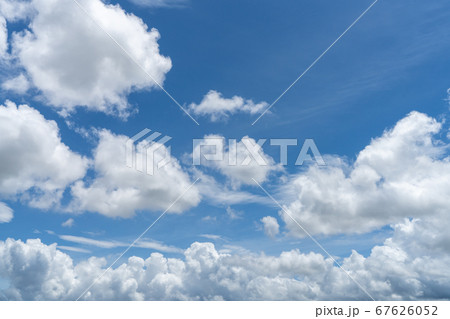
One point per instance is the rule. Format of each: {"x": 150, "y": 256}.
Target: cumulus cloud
{"x": 404, "y": 268}
{"x": 34, "y": 158}
{"x": 271, "y": 227}
{"x": 219, "y": 108}
{"x": 403, "y": 173}
{"x": 19, "y": 84}
{"x": 74, "y": 63}
{"x": 120, "y": 191}
{"x": 6, "y": 213}
{"x": 241, "y": 161}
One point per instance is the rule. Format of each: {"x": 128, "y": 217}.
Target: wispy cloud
{"x": 211, "y": 236}
{"x": 108, "y": 244}
{"x": 75, "y": 249}
{"x": 161, "y": 3}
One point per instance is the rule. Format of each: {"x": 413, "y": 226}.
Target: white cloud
{"x": 234, "y": 214}
{"x": 68, "y": 223}
{"x": 74, "y": 63}
{"x": 6, "y": 213}
{"x": 19, "y": 84}
{"x": 3, "y": 38}
{"x": 34, "y": 158}
{"x": 120, "y": 191}
{"x": 238, "y": 163}
{"x": 405, "y": 267}
{"x": 211, "y": 236}
{"x": 89, "y": 241}
{"x": 74, "y": 249}
{"x": 13, "y": 10}
{"x": 271, "y": 227}
{"x": 108, "y": 244}
{"x": 219, "y": 108}
{"x": 403, "y": 173}
{"x": 160, "y": 3}
{"x": 209, "y": 218}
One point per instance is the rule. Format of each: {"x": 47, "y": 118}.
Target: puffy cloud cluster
{"x": 35, "y": 163}
{"x": 403, "y": 173}
{"x": 396, "y": 270}
{"x": 120, "y": 191}
{"x": 74, "y": 62}
{"x": 219, "y": 108}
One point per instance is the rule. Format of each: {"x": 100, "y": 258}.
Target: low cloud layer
{"x": 404, "y": 268}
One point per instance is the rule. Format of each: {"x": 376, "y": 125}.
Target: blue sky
{"x": 392, "y": 62}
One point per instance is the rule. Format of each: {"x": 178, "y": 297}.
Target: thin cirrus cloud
{"x": 161, "y": 3}
{"x": 218, "y": 108}
{"x": 72, "y": 62}
{"x": 115, "y": 244}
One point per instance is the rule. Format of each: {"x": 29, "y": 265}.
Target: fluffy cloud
{"x": 75, "y": 63}
{"x": 403, "y": 173}
{"x": 119, "y": 191}
{"x": 34, "y": 158}
{"x": 404, "y": 268}
{"x": 6, "y": 213}
{"x": 219, "y": 108}
{"x": 271, "y": 227}
{"x": 241, "y": 162}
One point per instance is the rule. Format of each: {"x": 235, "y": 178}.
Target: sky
{"x": 79, "y": 78}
